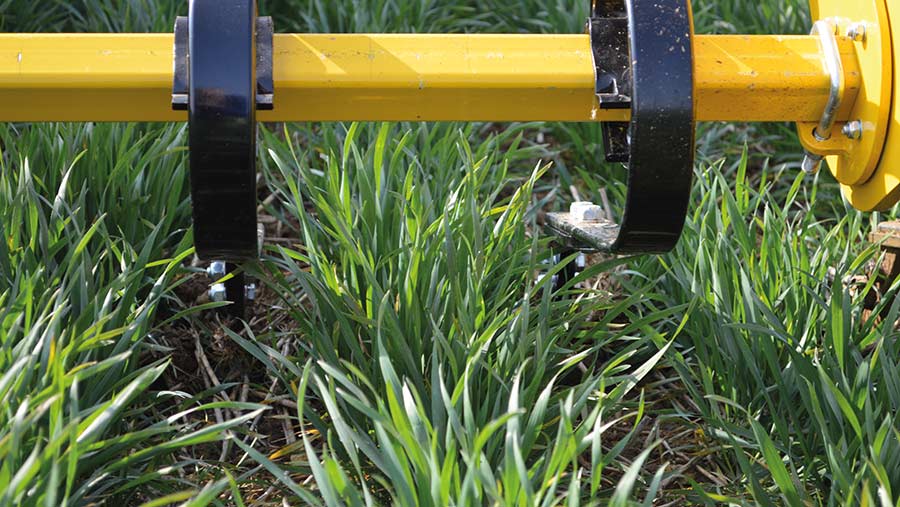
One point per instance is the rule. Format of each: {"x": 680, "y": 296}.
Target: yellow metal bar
{"x": 768, "y": 78}
{"x": 128, "y": 77}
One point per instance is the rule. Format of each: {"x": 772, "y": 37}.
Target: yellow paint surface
{"x": 128, "y": 77}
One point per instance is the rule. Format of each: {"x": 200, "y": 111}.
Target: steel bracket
{"x": 608, "y": 29}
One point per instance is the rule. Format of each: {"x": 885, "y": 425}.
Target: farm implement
{"x": 639, "y": 69}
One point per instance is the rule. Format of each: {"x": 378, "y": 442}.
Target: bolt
{"x": 217, "y": 293}
{"x": 585, "y": 211}
{"x": 250, "y": 292}
{"x": 857, "y": 32}
{"x": 853, "y": 130}
{"x": 216, "y": 270}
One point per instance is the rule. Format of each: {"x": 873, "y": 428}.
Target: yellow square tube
{"x": 322, "y": 77}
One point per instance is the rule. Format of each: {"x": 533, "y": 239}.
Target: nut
{"x": 250, "y": 292}
{"x": 586, "y": 211}
{"x": 857, "y": 32}
{"x": 217, "y": 293}
{"x": 216, "y": 270}
{"x": 853, "y": 130}
{"x": 811, "y": 163}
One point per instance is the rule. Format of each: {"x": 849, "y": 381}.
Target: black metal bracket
{"x": 608, "y": 28}
{"x": 659, "y": 87}
{"x": 223, "y": 75}
{"x": 265, "y": 84}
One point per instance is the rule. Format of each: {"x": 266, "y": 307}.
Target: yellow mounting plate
{"x": 882, "y": 190}
{"x": 853, "y": 162}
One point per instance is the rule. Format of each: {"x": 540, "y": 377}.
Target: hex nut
{"x": 811, "y": 163}
{"x": 216, "y": 270}
{"x": 586, "y": 211}
{"x": 853, "y": 130}
{"x": 217, "y": 293}
{"x": 857, "y": 32}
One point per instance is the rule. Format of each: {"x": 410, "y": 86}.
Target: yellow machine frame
{"x": 128, "y": 77}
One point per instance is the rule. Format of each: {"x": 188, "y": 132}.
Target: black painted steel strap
{"x": 661, "y": 166}
{"x": 660, "y": 135}
{"x": 222, "y": 124}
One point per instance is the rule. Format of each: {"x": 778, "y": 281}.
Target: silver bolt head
{"x": 853, "y": 130}
{"x": 250, "y": 292}
{"x": 217, "y": 293}
{"x": 586, "y": 211}
{"x": 216, "y": 270}
{"x": 857, "y": 32}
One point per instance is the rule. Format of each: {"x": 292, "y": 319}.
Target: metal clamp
{"x": 659, "y": 139}
{"x": 265, "y": 85}
{"x": 827, "y": 30}
{"x": 608, "y": 29}
{"x": 611, "y": 54}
